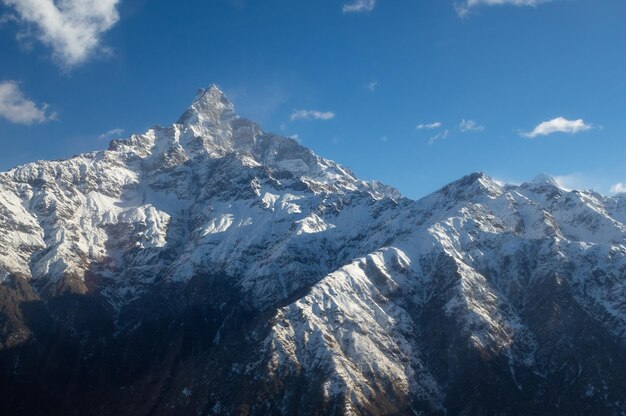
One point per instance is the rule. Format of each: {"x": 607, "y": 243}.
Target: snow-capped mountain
{"x": 210, "y": 267}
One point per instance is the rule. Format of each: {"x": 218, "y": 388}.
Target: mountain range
{"x": 210, "y": 268}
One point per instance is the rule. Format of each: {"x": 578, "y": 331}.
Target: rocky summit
{"x": 212, "y": 268}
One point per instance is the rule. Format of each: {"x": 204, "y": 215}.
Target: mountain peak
{"x": 469, "y": 186}
{"x": 477, "y": 179}
{"x": 210, "y": 107}
{"x": 545, "y": 179}
{"x": 211, "y": 91}
{"x": 299, "y": 276}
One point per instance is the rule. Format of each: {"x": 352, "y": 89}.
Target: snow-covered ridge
{"x": 220, "y": 193}
{"x": 500, "y": 241}
{"x": 356, "y": 273}
{"x": 111, "y": 212}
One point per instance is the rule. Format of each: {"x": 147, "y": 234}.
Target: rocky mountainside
{"x": 210, "y": 267}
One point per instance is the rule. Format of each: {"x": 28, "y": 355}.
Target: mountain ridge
{"x": 213, "y": 268}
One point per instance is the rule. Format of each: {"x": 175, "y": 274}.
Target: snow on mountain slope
{"x": 212, "y": 192}
{"x": 217, "y": 191}
{"x": 376, "y": 302}
{"x": 476, "y": 249}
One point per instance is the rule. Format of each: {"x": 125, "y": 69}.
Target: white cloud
{"x": 16, "y": 108}
{"x": 618, "y": 188}
{"x": 429, "y": 126}
{"x": 439, "y": 136}
{"x": 7, "y": 17}
{"x": 359, "y": 6}
{"x": 72, "y": 28}
{"x": 584, "y": 181}
{"x": 258, "y": 102}
{"x": 311, "y": 115}
{"x": 470, "y": 125}
{"x": 372, "y": 86}
{"x": 111, "y": 134}
{"x": 464, "y": 7}
{"x": 557, "y": 125}
{"x": 575, "y": 180}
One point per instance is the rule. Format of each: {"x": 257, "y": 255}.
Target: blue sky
{"x": 415, "y": 94}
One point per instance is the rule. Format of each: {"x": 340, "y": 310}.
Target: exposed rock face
{"x": 212, "y": 268}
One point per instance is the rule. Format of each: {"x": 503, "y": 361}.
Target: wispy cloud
{"x": 238, "y": 4}
{"x": 372, "y": 86}
{"x": 16, "y": 108}
{"x": 429, "y": 126}
{"x": 259, "y": 102}
{"x": 618, "y": 188}
{"x": 470, "y": 125}
{"x": 439, "y": 136}
{"x": 72, "y": 28}
{"x": 557, "y": 125}
{"x": 359, "y": 6}
{"x": 577, "y": 180}
{"x": 384, "y": 139}
{"x": 464, "y": 7}
{"x": 111, "y": 134}
{"x": 587, "y": 181}
{"x": 311, "y": 115}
